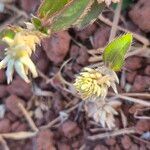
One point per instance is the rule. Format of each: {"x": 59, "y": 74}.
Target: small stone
{"x": 131, "y": 76}
{"x": 84, "y": 33}
{"x": 29, "y": 5}
{"x": 101, "y": 37}
{"x": 126, "y": 142}
{"x": 83, "y": 56}
{"x": 70, "y": 129}
{"x": 44, "y": 141}
{"x": 12, "y": 105}
{"x": 147, "y": 70}
{"x": 40, "y": 60}
{"x": 11, "y": 116}
{"x": 20, "y": 88}
{"x": 5, "y": 126}
{"x": 57, "y": 46}
{"x": 57, "y": 103}
{"x": 141, "y": 83}
{"x": 2, "y": 76}
{"x": 134, "y": 147}
{"x": 100, "y": 147}
{"x": 110, "y": 141}
{"x": 63, "y": 146}
{"x": 3, "y": 91}
{"x": 133, "y": 63}
{"x": 140, "y": 14}
{"x": 142, "y": 126}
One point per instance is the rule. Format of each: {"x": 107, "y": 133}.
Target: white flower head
{"x": 18, "y": 53}
{"x": 103, "y": 113}
{"x": 93, "y": 84}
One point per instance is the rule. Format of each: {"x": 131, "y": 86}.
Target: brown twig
{"x": 115, "y": 21}
{"x": 19, "y": 135}
{"x": 140, "y": 38}
{"x": 145, "y": 95}
{"x": 135, "y": 100}
{"x": 58, "y": 119}
{"x": 111, "y": 134}
{"x": 4, "y": 144}
{"x": 28, "y": 118}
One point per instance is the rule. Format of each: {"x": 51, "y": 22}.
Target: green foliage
{"x": 115, "y": 51}
{"x": 70, "y": 14}
{"x": 7, "y": 33}
{"x": 38, "y": 25}
{"x": 50, "y": 7}
{"x": 63, "y": 14}
{"x": 92, "y": 15}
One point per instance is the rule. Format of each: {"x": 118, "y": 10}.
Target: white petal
{"x": 29, "y": 64}
{"x": 10, "y": 70}
{"x": 113, "y": 85}
{"x": 20, "y": 70}
{"x": 4, "y": 62}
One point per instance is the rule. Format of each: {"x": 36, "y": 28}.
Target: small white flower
{"x": 103, "y": 113}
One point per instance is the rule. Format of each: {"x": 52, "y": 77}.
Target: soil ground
{"x": 54, "y": 109}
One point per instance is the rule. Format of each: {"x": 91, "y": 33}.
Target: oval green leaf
{"x": 115, "y": 51}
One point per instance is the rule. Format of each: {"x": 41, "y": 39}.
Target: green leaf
{"x": 38, "y": 25}
{"x": 92, "y": 15}
{"x": 7, "y": 33}
{"x": 115, "y": 51}
{"x": 70, "y": 14}
{"x": 50, "y": 7}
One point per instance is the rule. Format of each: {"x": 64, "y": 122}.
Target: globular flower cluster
{"x": 18, "y": 53}
{"x": 108, "y": 2}
{"x": 93, "y": 84}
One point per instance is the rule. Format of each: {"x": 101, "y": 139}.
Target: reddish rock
{"x": 70, "y": 129}
{"x": 140, "y": 14}
{"x": 5, "y": 126}
{"x": 134, "y": 147}
{"x": 40, "y": 59}
{"x": 44, "y": 141}
{"x": 11, "y": 116}
{"x": 14, "y": 126}
{"x": 57, "y": 103}
{"x": 86, "y": 32}
{"x": 101, "y": 37}
{"x": 141, "y": 83}
{"x": 57, "y": 46}
{"x": 83, "y": 57}
{"x": 18, "y": 126}
{"x": 133, "y": 63}
{"x": 142, "y": 126}
{"x": 63, "y": 146}
{"x": 117, "y": 147}
{"x": 29, "y": 5}
{"x": 110, "y": 141}
{"x": 100, "y": 147}
{"x": 12, "y": 105}
{"x": 147, "y": 70}
{"x": 20, "y": 88}
{"x": 21, "y": 127}
{"x": 3, "y": 91}
{"x": 2, "y": 76}
{"x": 126, "y": 142}
{"x": 79, "y": 54}
{"x": 131, "y": 76}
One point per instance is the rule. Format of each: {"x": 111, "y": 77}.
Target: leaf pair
{"x": 63, "y": 14}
